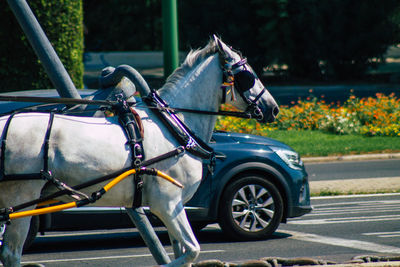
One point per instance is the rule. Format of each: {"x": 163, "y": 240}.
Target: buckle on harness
{"x": 137, "y": 151}
{"x": 138, "y": 154}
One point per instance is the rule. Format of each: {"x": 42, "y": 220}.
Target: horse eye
{"x": 244, "y": 80}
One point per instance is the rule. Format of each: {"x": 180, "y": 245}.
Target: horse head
{"x": 254, "y": 97}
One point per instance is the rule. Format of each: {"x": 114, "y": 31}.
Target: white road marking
{"x": 384, "y": 234}
{"x": 356, "y": 196}
{"x": 83, "y": 233}
{"x": 107, "y": 257}
{"x": 89, "y": 259}
{"x": 344, "y": 211}
{"x": 348, "y": 243}
{"x": 348, "y": 203}
{"x": 346, "y": 220}
{"x": 334, "y": 210}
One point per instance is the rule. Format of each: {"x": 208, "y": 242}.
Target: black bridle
{"x": 239, "y": 76}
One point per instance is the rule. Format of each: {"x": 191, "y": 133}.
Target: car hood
{"x": 248, "y": 139}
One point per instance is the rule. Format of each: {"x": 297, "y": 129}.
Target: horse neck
{"x": 199, "y": 89}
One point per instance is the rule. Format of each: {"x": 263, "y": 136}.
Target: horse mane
{"x": 193, "y": 58}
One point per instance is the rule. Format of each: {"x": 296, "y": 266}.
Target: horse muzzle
{"x": 264, "y": 116}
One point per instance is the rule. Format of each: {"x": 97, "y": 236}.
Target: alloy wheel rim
{"x": 253, "y": 208}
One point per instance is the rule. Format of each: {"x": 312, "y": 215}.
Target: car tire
{"x": 251, "y": 208}
{"x": 33, "y": 230}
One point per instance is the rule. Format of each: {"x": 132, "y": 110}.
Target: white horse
{"x": 83, "y": 148}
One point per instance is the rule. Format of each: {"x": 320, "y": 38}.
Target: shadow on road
{"x": 76, "y": 241}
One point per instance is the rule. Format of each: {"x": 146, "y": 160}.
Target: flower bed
{"x": 372, "y": 116}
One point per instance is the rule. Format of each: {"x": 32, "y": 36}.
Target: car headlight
{"x": 291, "y": 158}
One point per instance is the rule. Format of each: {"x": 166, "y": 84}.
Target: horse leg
{"x": 176, "y": 246}
{"x": 13, "y": 193}
{"x": 13, "y": 242}
{"x": 185, "y": 245}
{"x": 148, "y": 234}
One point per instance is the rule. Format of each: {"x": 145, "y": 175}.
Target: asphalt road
{"x": 338, "y": 229}
{"x": 353, "y": 169}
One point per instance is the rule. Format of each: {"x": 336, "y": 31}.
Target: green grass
{"x": 317, "y": 143}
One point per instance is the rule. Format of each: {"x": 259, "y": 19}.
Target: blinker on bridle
{"x": 237, "y": 76}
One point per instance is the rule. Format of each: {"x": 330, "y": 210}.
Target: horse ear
{"x": 221, "y": 46}
{"x": 219, "y": 43}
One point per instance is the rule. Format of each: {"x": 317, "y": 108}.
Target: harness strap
{"x": 133, "y": 131}
{"x": 46, "y": 143}
{"x": 176, "y": 152}
{"x": 45, "y": 173}
{"x": 179, "y": 129}
{"x": 24, "y": 176}
{"x": 8, "y": 177}
{"x": 138, "y": 187}
{"x": 3, "y": 145}
{"x": 48, "y": 176}
{"x": 7, "y": 214}
{"x": 204, "y": 112}
{"x": 138, "y": 120}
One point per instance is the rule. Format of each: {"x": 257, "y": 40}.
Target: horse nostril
{"x": 275, "y": 111}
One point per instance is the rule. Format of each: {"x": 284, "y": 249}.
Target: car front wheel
{"x": 251, "y": 208}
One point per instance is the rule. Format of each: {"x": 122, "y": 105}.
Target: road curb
{"x": 351, "y": 157}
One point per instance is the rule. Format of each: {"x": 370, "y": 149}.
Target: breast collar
{"x": 186, "y": 138}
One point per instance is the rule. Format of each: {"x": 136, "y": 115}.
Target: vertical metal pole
{"x": 65, "y": 88}
{"x": 170, "y": 36}
{"x": 149, "y": 235}
{"x": 43, "y": 49}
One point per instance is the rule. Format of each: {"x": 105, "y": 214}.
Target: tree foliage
{"x": 20, "y": 68}
{"x": 334, "y": 39}
{"x": 315, "y": 39}
{"x": 122, "y": 25}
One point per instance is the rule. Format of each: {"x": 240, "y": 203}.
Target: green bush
{"x": 371, "y": 116}
{"x": 20, "y": 68}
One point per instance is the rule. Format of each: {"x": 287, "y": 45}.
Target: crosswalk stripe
{"x": 348, "y": 243}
